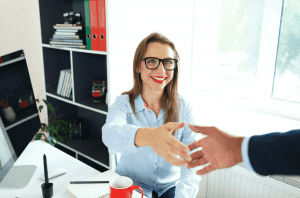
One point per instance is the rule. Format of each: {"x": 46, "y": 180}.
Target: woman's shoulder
{"x": 184, "y": 100}
{"x": 123, "y": 99}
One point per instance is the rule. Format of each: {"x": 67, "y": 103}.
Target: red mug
{"x": 122, "y": 187}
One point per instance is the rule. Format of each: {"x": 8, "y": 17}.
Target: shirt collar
{"x": 141, "y": 105}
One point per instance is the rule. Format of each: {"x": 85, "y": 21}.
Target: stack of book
{"x": 68, "y": 35}
{"x": 64, "y": 87}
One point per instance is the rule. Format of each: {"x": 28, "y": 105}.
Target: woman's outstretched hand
{"x": 162, "y": 142}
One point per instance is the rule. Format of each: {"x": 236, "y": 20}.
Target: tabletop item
{"x": 89, "y": 182}
{"x": 54, "y": 172}
{"x": 9, "y": 114}
{"x": 123, "y": 187}
{"x": 96, "y": 190}
{"x": 99, "y": 91}
{"x": 13, "y": 180}
{"x": 47, "y": 188}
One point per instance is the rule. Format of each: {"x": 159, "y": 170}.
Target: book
{"x": 66, "y": 33}
{"x": 66, "y": 36}
{"x": 69, "y": 86}
{"x": 70, "y": 46}
{"x": 65, "y": 43}
{"x": 67, "y": 25}
{"x": 61, "y": 81}
{"x": 68, "y": 40}
{"x": 64, "y": 30}
{"x": 65, "y": 84}
{"x": 96, "y": 190}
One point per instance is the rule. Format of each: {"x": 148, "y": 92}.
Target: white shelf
{"x": 12, "y": 61}
{"x": 77, "y": 104}
{"x": 77, "y": 152}
{"x": 76, "y": 49}
{"x": 21, "y": 121}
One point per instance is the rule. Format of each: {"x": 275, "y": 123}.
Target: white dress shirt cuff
{"x": 245, "y": 154}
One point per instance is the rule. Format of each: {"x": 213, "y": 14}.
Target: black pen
{"x": 45, "y": 170}
{"x": 89, "y": 182}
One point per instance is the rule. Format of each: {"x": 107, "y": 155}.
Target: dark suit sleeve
{"x": 275, "y": 153}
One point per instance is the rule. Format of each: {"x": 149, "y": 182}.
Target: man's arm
{"x": 273, "y": 153}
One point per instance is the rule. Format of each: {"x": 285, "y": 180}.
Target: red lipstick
{"x": 157, "y": 81}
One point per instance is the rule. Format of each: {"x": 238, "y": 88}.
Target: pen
{"x": 45, "y": 170}
{"x": 89, "y": 182}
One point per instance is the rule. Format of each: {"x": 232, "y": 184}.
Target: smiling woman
{"x": 143, "y": 125}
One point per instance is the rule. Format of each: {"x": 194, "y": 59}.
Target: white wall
{"x": 19, "y": 29}
{"x": 131, "y": 21}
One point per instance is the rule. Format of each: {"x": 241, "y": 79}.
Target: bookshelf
{"x": 14, "y": 78}
{"x": 86, "y": 66}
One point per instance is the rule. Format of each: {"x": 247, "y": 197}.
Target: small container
{"x": 99, "y": 91}
{"x": 9, "y": 114}
{"x": 47, "y": 190}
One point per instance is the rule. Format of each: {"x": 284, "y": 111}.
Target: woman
{"x": 150, "y": 138}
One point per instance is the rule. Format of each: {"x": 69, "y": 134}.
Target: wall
{"x": 131, "y": 21}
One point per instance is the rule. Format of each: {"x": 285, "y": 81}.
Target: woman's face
{"x": 156, "y": 80}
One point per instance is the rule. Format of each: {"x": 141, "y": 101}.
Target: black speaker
{"x": 81, "y": 128}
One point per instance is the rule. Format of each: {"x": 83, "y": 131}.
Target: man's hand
{"x": 164, "y": 143}
{"x": 219, "y": 149}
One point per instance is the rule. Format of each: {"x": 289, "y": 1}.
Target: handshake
{"x": 219, "y": 149}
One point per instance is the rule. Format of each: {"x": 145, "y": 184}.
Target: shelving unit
{"x": 14, "y": 78}
{"x": 21, "y": 119}
{"x": 86, "y": 66}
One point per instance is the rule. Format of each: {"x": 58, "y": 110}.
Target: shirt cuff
{"x": 245, "y": 155}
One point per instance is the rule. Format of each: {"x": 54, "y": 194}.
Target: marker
{"x": 89, "y": 182}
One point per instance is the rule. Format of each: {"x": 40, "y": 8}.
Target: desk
{"x": 33, "y": 155}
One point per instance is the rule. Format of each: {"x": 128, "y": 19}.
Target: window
{"x": 287, "y": 75}
{"x": 226, "y": 44}
{"x": 247, "y": 50}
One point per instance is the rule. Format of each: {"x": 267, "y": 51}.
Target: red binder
{"x": 98, "y": 25}
{"x": 102, "y": 25}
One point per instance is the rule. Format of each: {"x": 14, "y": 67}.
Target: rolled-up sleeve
{"x": 117, "y": 134}
{"x": 189, "y": 181}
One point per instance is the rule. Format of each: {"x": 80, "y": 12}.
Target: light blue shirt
{"x": 245, "y": 154}
{"x": 146, "y": 168}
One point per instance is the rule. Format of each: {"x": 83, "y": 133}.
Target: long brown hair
{"x": 170, "y": 98}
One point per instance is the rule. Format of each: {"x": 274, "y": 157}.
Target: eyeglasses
{"x": 153, "y": 63}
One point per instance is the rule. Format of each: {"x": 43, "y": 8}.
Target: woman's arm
{"x": 117, "y": 134}
{"x": 127, "y": 138}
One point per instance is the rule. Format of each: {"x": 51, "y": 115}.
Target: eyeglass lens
{"x": 153, "y": 63}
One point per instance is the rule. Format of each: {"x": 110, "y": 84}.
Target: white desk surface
{"x": 33, "y": 155}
